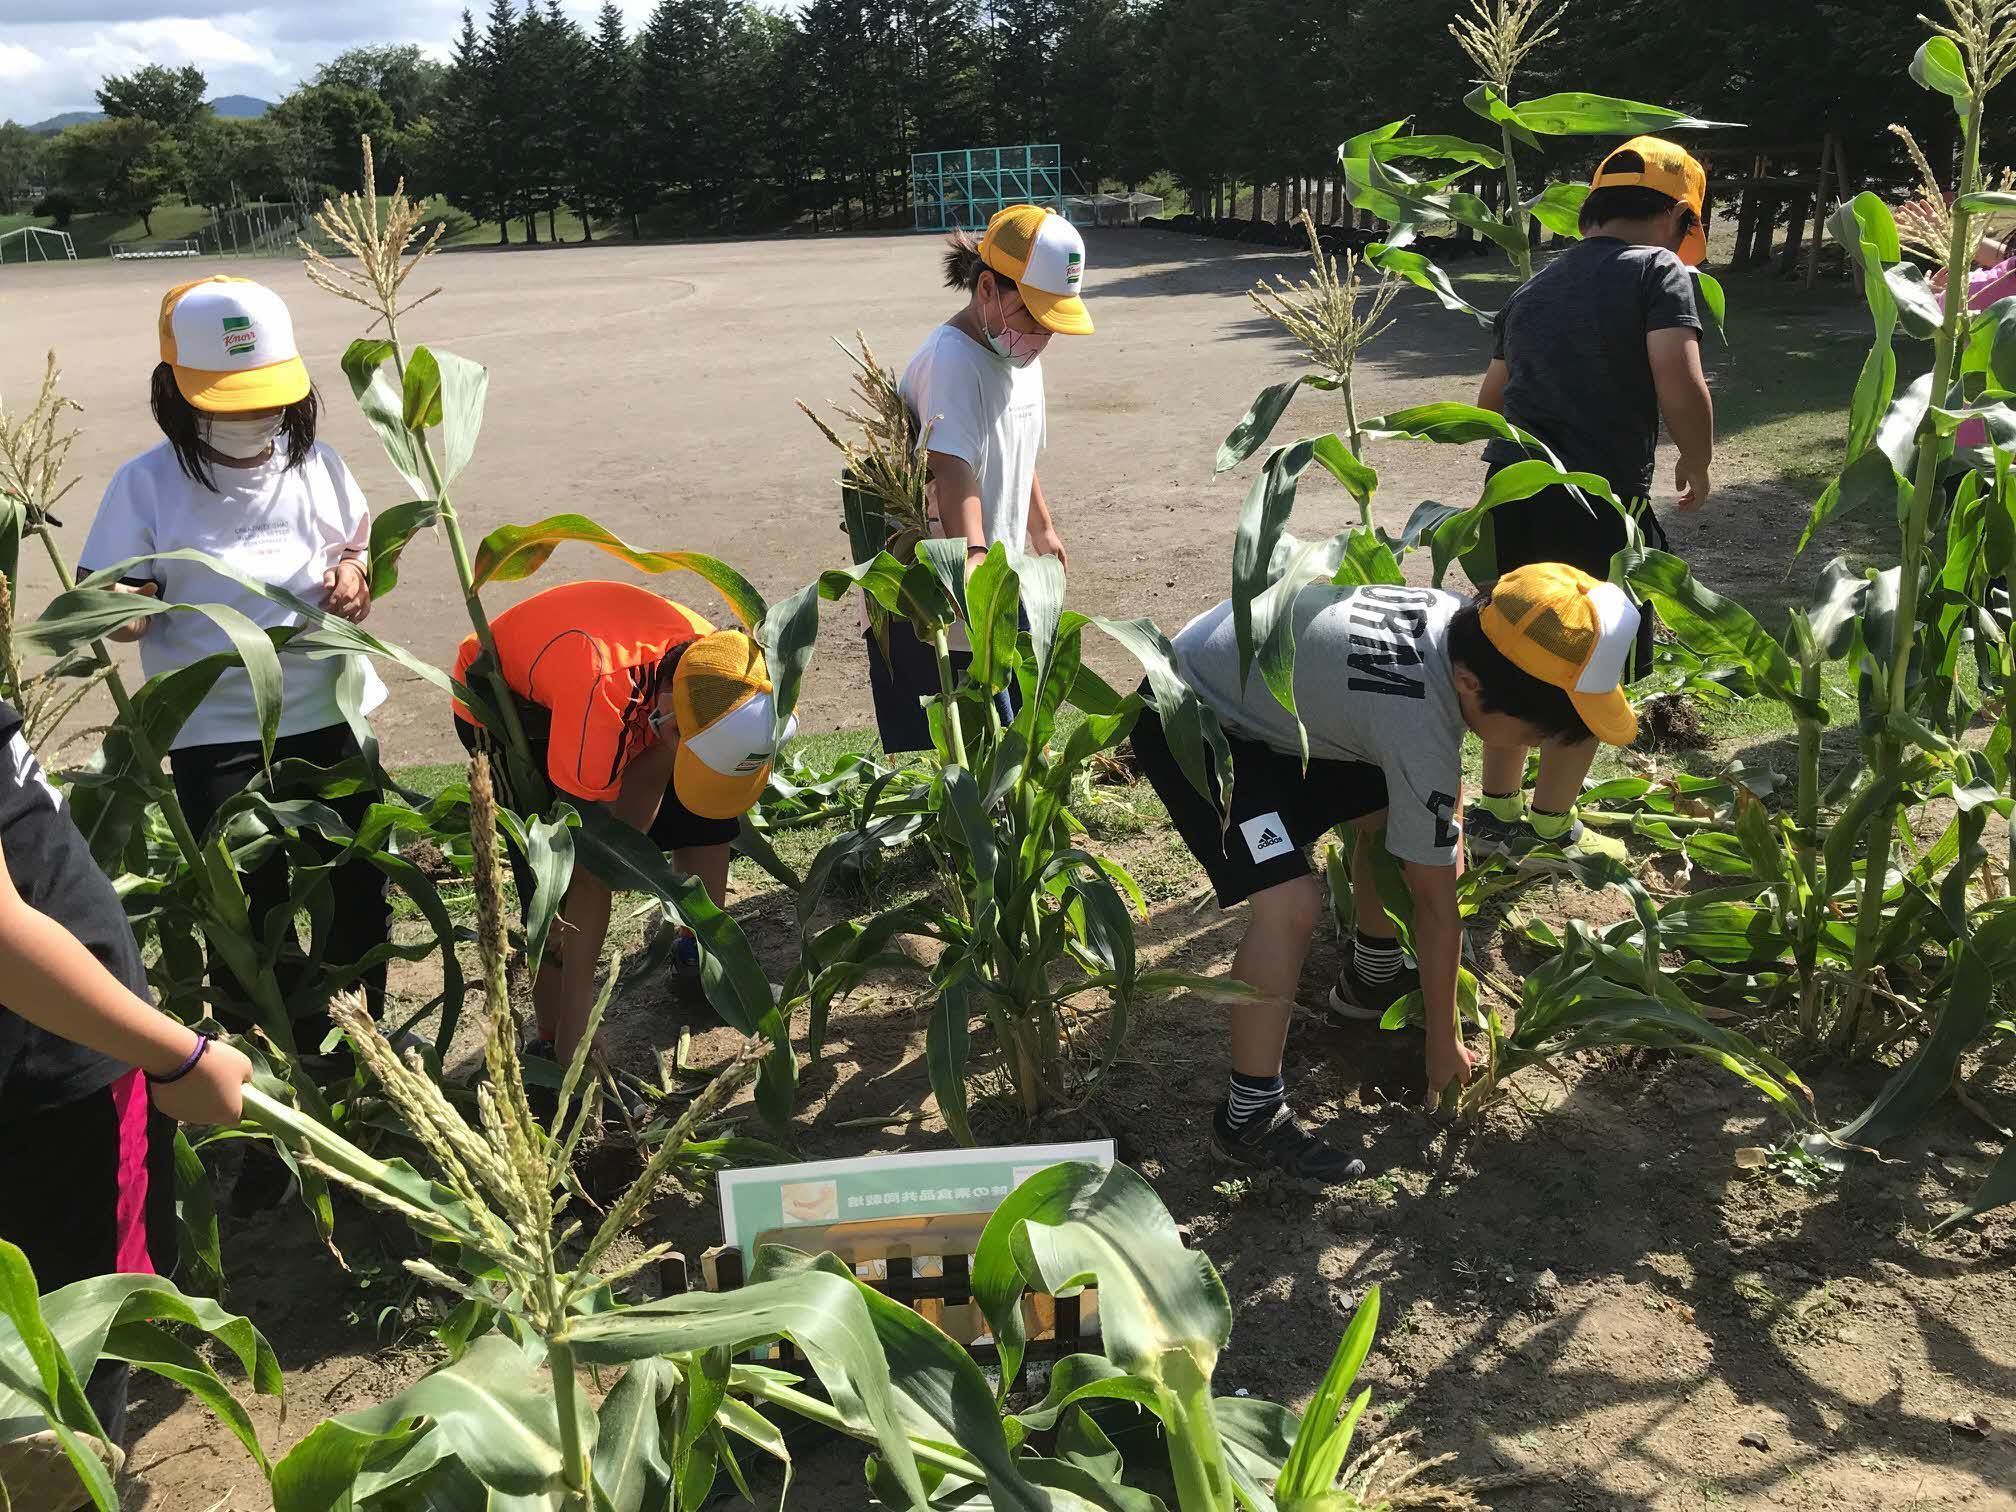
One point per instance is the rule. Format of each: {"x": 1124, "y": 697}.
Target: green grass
{"x": 95, "y": 233}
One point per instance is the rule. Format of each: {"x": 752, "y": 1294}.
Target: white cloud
{"x": 17, "y": 63}
{"x": 53, "y": 53}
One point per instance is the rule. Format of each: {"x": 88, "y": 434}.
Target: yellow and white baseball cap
{"x": 231, "y": 344}
{"x": 1670, "y": 170}
{"x": 721, "y": 701}
{"x": 1045, "y": 255}
{"x": 1573, "y": 631}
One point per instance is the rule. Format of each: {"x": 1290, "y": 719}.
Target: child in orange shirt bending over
{"x": 637, "y": 703}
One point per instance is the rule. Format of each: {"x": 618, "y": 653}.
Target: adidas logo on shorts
{"x": 1266, "y": 836}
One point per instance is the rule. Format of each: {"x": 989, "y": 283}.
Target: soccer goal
{"x": 181, "y": 246}
{"x": 39, "y": 244}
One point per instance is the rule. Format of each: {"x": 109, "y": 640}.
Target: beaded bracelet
{"x": 188, "y": 1065}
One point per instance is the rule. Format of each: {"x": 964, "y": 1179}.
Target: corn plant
{"x": 49, "y": 1345}
{"x": 1927, "y": 640}
{"x": 426, "y": 408}
{"x": 1028, "y": 920}
{"x": 1497, "y": 38}
{"x": 1333, "y": 316}
{"x": 34, "y": 460}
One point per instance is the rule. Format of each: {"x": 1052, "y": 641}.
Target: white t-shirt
{"x": 989, "y": 414}
{"x": 284, "y": 528}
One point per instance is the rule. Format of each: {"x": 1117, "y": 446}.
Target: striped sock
{"x": 1551, "y": 826}
{"x": 1253, "y": 1097}
{"x": 1374, "y": 961}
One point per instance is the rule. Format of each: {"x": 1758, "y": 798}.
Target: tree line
{"x": 724, "y": 115}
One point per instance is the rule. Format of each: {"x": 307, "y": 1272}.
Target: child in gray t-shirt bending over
{"x": 1388, "y": 680}
{"x": 1589, "y": 355}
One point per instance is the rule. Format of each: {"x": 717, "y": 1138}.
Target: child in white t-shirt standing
{"x": 241, "y": 477}
{"x": 977, "y": 381}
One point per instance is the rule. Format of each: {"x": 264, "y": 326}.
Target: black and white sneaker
{"x": 1279, "y": 1144}
{"x": 1353, "y": 1000}
{"x": 1485, "y": 834}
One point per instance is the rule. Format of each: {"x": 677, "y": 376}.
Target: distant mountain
{"x": 236, "y": 106}
{"x": 66, "y": 120}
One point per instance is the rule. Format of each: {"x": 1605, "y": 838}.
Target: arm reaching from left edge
{"x": 56, "y": 984}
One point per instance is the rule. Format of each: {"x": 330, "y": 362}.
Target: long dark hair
{"x": 182, "y": 423}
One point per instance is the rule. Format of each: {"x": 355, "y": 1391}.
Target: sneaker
{"x": 1487, "y": 835}
{"x": 686, "y": 957}
{"x": 1279, "y": 1143}
{"x": 1355, "y": 1001}
{"x": 1567, "y": 839}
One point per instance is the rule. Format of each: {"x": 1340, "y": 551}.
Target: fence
{"x": 964, "y": 187}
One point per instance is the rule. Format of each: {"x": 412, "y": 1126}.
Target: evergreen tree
{"x": 614, "y": 174}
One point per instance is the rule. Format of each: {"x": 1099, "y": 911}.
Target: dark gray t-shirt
{"x": 1373, "y": 683}
{"x": 1573, "y": 340}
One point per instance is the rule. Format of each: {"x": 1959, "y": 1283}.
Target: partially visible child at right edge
{"x": 1590, "y": 354}
{"x": 92, "y": 1076}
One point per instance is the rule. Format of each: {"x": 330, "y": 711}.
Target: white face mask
{"x": 242, "y": 439}
{"x": 1016, "y": 348}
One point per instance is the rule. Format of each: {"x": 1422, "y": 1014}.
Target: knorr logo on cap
{"x": 239, "y": 337}
{"x": 1074, "y": 267}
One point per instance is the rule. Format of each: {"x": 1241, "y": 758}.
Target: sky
{"x": 54, "y": 52}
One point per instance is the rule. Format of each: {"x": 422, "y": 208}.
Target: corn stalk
{"x": 382, "y": 237}
{"x": 1983, "y": 35}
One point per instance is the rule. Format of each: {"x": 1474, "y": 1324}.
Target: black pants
{"x": 1557, "y": 525}
{"x": 676, "y": 827}
{"x": 901, "y": 681}
{"x": 209, "y": 776}
{"x": 88, "y": 1189}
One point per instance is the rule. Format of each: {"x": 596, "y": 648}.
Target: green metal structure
{"x": 964, "y": 187}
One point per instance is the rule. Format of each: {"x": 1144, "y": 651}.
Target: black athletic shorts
{"x": 1556, "y": 525}
{"x": 676, "y": 827}
{"x": 1277, "y": 808}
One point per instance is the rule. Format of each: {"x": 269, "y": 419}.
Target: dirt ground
{"x": 651, "y": 388}
{"x": 1584, "y": 1293}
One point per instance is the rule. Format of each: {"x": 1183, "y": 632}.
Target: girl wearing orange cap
{"x": 241, "y": 476}
{"x": 977, "y": 382}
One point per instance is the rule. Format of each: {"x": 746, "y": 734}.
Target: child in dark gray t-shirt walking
{"x": 1589, "y": 355}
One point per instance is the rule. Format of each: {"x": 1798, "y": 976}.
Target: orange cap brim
{"x": 1609, "y": 716}
{"x": 1063, "y": 313}
{"x": 272, "y": 387}
{"x": 715, "y": 795}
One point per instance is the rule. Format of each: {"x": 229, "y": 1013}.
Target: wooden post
{"x": 1795, "y": 231}
{"x": 1820, "y": 209}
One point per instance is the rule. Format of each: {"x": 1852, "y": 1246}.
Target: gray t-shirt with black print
{"x": 1372, "y": 681}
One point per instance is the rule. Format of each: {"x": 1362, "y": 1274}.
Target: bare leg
{"x": 1562, "y": 768}
{"x": 1372, "y": 921}
{"x": 1504, "y": 768}
{"x": 1284, "y": 919}
{"x": 710, "y": 864}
